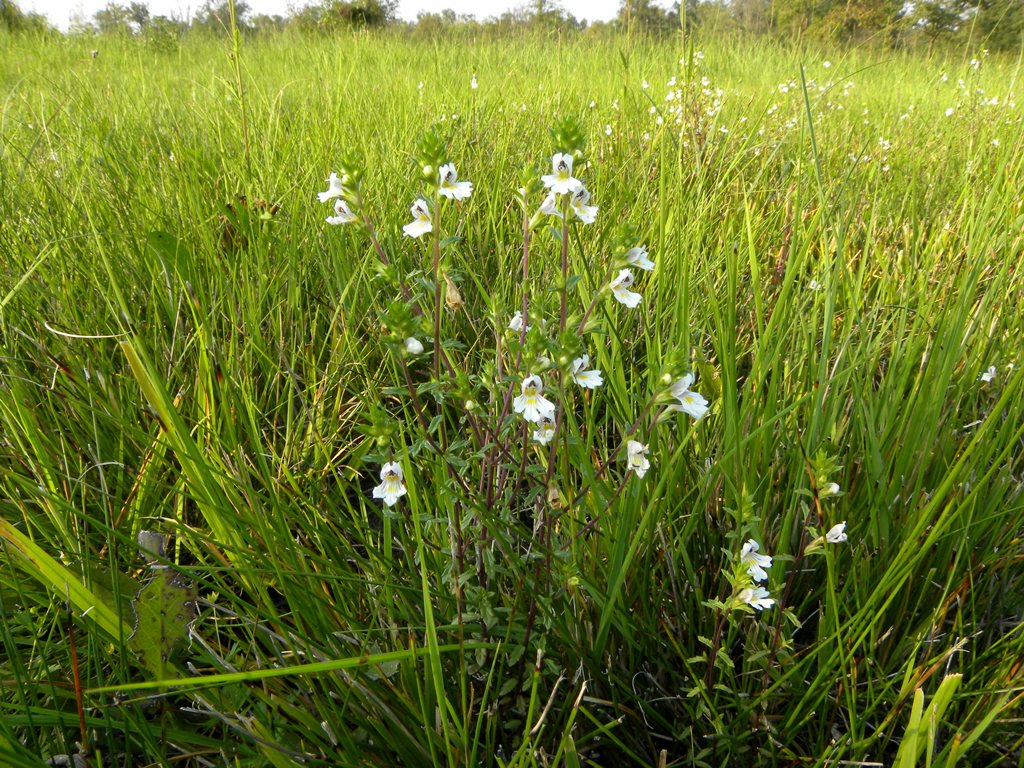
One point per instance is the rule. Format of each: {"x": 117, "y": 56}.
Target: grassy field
{"x": 202, "y": 379}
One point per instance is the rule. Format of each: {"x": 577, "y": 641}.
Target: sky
{"x": 61, "y": 12}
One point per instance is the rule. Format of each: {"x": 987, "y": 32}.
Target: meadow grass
{"x": 198, "y": 391}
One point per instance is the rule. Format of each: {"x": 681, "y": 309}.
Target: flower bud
{"x": 428, "y": 171}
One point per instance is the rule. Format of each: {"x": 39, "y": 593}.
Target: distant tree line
{"x": 995, "y": 24}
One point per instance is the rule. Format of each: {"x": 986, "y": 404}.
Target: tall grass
{"x": 837, "y": 259}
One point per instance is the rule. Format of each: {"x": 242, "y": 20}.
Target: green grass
{"x": 837, "y": 260}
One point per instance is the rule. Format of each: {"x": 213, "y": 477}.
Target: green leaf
{"x": 164, "y": 608}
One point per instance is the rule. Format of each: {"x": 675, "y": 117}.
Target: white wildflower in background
{"x": 829, "y": 489}
{"x": 753, "y": 562}
{"x": 451, "y": 187}
{"x": 620, "y": 289}
{"x": 949, "y": 112}
{"x": 690, "y": 402}
{"x": 334, "y": 189}
{"x": 550, "y": 206}
{"x": 608, "y": 130}
{"x": 413, "y": 346}
{"x": 637, "y": 257}
{"x": 587, "y": 379}
{"x": 814, "y": 285}
{"x": 342, "y": 213}
{"x": 636, "y": 457}
{"x": 421, "y": 223}
{"x": 990, "y": 374}
{"x": 756, "y": 598}
{"x": 826, "y": 64}
{"x": 836, "y": 534}
{"x": 585, "y": 213}
{"x": 516, "y": 323}
{"x": 561, "y": 181}
{"x": 391, "y": 486}
{"x": 472, "y": 83}
{"x": 645, "y": 85}
{"x": 531, "y": 403}
{"x": 544, "y": 432}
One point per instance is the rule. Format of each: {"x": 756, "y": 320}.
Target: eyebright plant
{"x": 497, "y": 428}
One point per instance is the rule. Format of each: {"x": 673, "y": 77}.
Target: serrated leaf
{"x": 164, "y": 608}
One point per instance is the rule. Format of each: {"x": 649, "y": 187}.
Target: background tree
{"x": 215, "y": 17}
{"x": 13, "y": 19}
{"x": 138, "y": 15}
{"x": 647, "y": 16}
{"x": 113, "y": 18}
{"x": 1000, "y": 24}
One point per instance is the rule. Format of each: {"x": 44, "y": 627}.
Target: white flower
{"x": 689, "y": 401}
{"x": 544, "y": 432}
{"x": 753, "y": 562}
{"x": 342, "y": 213}
{"x": 585, "y": 213}
{"x": 756, "y": 598}
{"x": 532, "y": 404}
{"x": 561, "y": 181}
{"x": 421, "y": 223}
{"x": 620, "y": 289}
{"x": 334, "y": 189}
{"x": 829, "y": 489}
{"x": 607, "y": 130}
{"x": 836, "y": 534}
{"x": 826, "y": 64}
{"x": 990, "y": 374}
{"x": 413, "y": 346}
{"x": 637, "y": 257}
{"x": 451, "y": 187}
{"x": 391, "y": 486}
{"x": 636, "y": 457}
{"x": 645, "y": 85}
{"x": 472, "y": 83}
{"x": 550, "y": 206}
{"x": 587, "y": 379}
{"x": 814, "y": 285}
{"x": 516, "y": 323}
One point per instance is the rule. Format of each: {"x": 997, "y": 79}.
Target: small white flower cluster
{"x": 448, "y": 187}
{"x": 752, "y": 566}
{"x": 562, "y": 182}
{"x": 336, "y": 190}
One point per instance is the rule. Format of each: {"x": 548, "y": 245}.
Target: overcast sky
{"x": 60, "y": 12}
